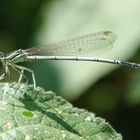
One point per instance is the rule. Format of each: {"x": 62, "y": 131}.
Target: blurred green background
{"x": 110, "y": 91}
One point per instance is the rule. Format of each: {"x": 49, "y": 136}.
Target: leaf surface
{"x": 26, "y": 113}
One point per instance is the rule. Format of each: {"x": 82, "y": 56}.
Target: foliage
{"x": 28, "y": 113}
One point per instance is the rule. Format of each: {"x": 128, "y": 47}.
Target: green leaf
{"x": 26, "y": 113}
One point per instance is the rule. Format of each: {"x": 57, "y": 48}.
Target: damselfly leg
{"x": 21, "y": 70}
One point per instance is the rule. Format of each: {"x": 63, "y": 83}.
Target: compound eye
{"x": 1, "y": 54}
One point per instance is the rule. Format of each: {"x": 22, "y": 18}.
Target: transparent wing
{"x": 88, "y": 44}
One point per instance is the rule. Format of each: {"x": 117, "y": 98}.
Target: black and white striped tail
{"x": 78, "y": 58}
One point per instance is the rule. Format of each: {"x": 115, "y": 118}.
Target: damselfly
{"x": 73, "y": 49}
